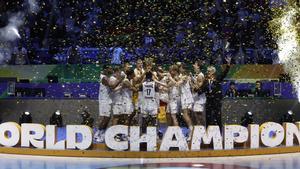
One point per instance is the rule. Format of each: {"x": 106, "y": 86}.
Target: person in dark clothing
{"x": 258, "y": 92}
{"x": 232, "y": 91}
{"x": 212, "y": 87}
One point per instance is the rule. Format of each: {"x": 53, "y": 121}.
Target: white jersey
{"x": 174, "y": 93}
{"x": 128, "y": 107}
{"x": 163, "y": 94}
{"x": 117, "y": 98}
{"x": 127, "y": 94}
{"x": 174, "y": 104}
{"x": 104, "y": 91}
{"x": 199, "y": 99}
{"x": 149, "y": 90}
{"x": 186, "y": 93}
{"x": 148, "y": 99}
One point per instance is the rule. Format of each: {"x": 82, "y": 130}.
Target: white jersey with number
{"x": 149, "y": 90}
{"x": 148, "y": 99}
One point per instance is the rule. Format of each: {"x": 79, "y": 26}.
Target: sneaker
{"x": 118, "y": 138}
{"x": 160, "y": 134}
{"x": 124, "y": 137}
{"x": 99, "y": 136}
{"x": 96, "y": 136}
{"x": 102, "y": 136}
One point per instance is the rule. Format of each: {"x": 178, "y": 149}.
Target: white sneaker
{"x": 99, "y": 136}
{"x": 124, "y": 137}
{"x": 102, "y": 136}
{"x": 118, "y": 138}
{"x": 96, "y": 135}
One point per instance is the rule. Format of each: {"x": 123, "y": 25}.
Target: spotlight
{"x": 67, "y": 94}
{"x": 57, "y": 113}
{"x": 288, "y": 117}
{"x": 87, "y": 119}
{"x": 247, "y": 119}
{"x": 56, "y": 119}
{"x": 25, "y": 117}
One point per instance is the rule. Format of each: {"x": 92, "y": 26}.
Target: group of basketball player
{"x": 126, "y": 93}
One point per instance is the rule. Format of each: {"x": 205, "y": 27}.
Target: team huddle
{"x": 127, "y": 93}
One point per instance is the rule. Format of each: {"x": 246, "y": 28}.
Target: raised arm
{"x": 225, "y": 72}
{"x": 182, "y": 80}
{"x": 197, "y": 83}
{"x": 160, "y": 83}
{"x": 127, "y": 84}
{"x": 115, "y": 83}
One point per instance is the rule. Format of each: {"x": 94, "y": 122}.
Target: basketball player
{"x": 198, "y": 115}
{"x": 139, "y": 70}
{"x": 149, "y": 98}
{"x": 123, "y": 105}
{"x": 186, "y": 96}
{"x": 117, "y": 99}
{"x": 105, "y": 101}
{"x": 163, "y": 91}
{"x": 148, "y": 102}
{"x": 174, "y": 94}
{"x": 126, "y": 66}
{"x": 127, "y": 94}
{"x": 137, "y": 82}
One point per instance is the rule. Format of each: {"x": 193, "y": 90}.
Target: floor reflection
{"x": 288, "y": 161}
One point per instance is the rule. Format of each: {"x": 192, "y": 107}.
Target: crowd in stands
{"x": 169, "y": 31}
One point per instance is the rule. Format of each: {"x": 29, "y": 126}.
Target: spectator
{"x": 232, "y": 91}
{"x": 258, "y": 92}
{"x": 19, "y": 56}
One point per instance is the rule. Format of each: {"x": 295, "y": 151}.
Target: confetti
{"x": 286, "y": 26}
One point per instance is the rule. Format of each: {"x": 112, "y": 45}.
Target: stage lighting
{"x": 67, "y": 94}
{"x": 25, "y": 117}
{"x": 288, "y": 117}
{"x": 247, "y": 119}
{"x": 56, "y": 119}
{"x": 52, "y": 79}
{"x": 82, "y": 96}
{"x": 87, "y": 119}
